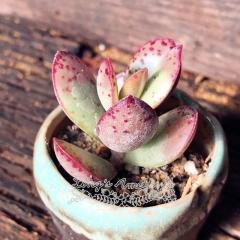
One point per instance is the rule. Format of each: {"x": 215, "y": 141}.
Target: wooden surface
{"x": 26, "y": 98}
{"x": 208, "y": 29}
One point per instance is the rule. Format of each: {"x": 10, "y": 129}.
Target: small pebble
{"x": 190, "y": 168}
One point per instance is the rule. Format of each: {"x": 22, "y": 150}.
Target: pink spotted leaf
{"x": 75, "y": 89}
{"x": 127, "y": 125}
{"x": 135, "y": 84}
{"x": 81, "y": 164}
{"x": 106, "y": 84}
{"x": 164, "y": 78}
{"x": 149, "y": 55}
{"x": 162, "y": 58}
{"x": 176, "y": 131}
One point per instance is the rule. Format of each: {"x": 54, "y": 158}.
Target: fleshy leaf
{"x": 81, "y": 164}
{"x": 135, "y": 84}
{"x": 176, "y": 131}
{"x": 149, "y": 55}
{"x": 164, "y": 78}
{"x": 107, "y": 85}
{"x": 76, "y": 92}
{"x": 120, "y": 77}
{"x": 127, "y": 125}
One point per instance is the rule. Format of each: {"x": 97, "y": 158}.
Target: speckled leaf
{"x": 76, "y": 92}
{"x": 127, "y": 125}
{"x": 176, "y": 131}
{"x": 81, "y": 164}
{"x": 149, "y": 55}
{"x": 107, "y": 85}
{"x": 164, "y": 78}
{"x": 135, "y": 84}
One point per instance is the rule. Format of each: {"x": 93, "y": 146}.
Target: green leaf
{"x": 164, "y": 78}
{"x": 81, "y": 164}
{"x": 135, "y": 84}
{"x": 176, "y": 131}
{"x": 76, "y": 92}
{"x": 149, "y": 55}
{"x": 107, "y": 85}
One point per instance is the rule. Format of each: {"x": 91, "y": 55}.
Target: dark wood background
{"x": 28, "y": 42}
{"x": 208, "y": 29}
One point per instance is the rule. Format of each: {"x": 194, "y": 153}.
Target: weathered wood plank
{"x": 10, "y": 230}
{"x": 224, "y": 219}
{"x": 209, "y": 30}
{"x": 24, "y": 222}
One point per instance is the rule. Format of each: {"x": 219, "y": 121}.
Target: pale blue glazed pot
{"x": 90, "y": 219}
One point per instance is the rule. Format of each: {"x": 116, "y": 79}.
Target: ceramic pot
{"x": 87, "y": 218}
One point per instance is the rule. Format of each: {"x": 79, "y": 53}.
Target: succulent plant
{"x": 119, "y": 110}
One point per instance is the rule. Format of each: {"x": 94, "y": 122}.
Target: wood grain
{"x": 26, "y": 98}
{"x": 209, "y": 30}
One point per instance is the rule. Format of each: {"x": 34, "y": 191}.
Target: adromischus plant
{"x": 119, "y": 110}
